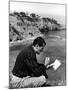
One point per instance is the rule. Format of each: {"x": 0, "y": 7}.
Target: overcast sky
{"x": 56, "y": 11}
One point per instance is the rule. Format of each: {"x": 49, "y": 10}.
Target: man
{"x": 27, "y": 72}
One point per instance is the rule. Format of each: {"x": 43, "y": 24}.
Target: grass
{"x": 55, "y": 49}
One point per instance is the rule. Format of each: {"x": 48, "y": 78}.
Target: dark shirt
{"x": 26, "y": 64}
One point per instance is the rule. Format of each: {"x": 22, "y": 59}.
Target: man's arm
{"x": 36, "y": 68}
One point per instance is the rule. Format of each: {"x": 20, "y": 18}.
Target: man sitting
{"x": 27, "y": 72}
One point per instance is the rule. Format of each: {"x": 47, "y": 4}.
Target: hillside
{"x": 22, "y": 25}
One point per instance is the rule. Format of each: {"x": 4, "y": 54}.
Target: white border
{"x": 4, "y": 45}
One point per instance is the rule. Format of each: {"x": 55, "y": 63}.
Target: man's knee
{"x": 43, "y": 78}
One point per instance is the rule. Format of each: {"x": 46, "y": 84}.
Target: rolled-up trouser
{"x": 26, "y": 82}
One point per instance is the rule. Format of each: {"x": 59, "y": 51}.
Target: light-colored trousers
{"x": 25, "y": 82}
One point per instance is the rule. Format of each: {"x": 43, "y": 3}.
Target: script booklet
{"x": 56, "y": 64}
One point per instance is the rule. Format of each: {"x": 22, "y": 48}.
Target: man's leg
{"x": 33, "y": 81}
{"x": 14, "y": 82}
{"x": 25, "y": 82}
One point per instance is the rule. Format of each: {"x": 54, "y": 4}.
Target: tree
{"x": 32, "y": 15}
{"x": 22, "y": 14}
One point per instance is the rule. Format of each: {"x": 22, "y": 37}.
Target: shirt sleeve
{"x": 36, "y": 68}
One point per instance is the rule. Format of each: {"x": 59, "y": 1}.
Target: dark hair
{"x": 40, "y": 41}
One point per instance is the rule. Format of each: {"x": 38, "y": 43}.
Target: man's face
{"x": 39, "y": 49}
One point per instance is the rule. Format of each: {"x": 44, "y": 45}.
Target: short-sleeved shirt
{"x": 26, "y": 64}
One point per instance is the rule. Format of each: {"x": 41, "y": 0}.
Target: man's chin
{"x": 38, "y": 52}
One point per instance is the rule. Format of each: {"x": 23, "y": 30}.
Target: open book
{"x": 56, "y": 64}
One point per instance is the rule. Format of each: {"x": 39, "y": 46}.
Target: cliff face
{"x": 22, "y": 26}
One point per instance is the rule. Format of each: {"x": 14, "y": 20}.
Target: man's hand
{"x": 47, "y": 61}
{"x": 50, "y": 66}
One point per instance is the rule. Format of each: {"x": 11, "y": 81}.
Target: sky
{"x": 56, "y": 11}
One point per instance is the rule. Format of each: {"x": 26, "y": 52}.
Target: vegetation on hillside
{"x": 22, "y": 25}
